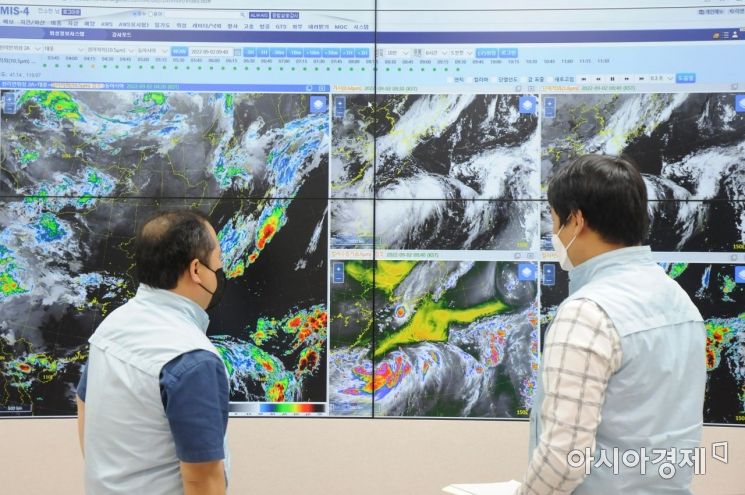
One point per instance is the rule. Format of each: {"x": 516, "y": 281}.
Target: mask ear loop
{"x": 210, "y": 269}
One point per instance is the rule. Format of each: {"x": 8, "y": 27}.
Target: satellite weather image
{"x": 689, "y": 147}
{"x": 80, "y": 171}
{"x": 449, "y": 339}
{"x": 437, "y": 165}
{"x": 718, "y": 293}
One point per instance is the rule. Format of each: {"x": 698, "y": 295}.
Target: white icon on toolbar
{"x": 527, "y": 105}
{"x": 741, "y": 274}
{"x": 527, "y": 272}
{"x": 742, "y": 103}
{"x": 318, "y": 104}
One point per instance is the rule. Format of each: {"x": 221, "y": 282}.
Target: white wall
{"x": 303, "y": 456}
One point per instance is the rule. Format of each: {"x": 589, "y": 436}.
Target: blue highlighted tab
{"x": 312, "y": 53}
{"x": 179, "y": 51}
{"x": 295, "y": 52}
{"x": 331, "y": 53}
{"x": 526, "y": 272}
{"x": 740, "y": 103}
{"x": 347, "y": 53}
{"x": 527, "y": 105}
{"x": 278, "y": 52}
{"x": 487, "y": 53}
{"x": 249, "y": 52}
{"x": 740, "y": 274}
{"x": 549, "y": 274}
{"x": 508, "y": 53}
{"x": 685, "y": 77}
{"x": 263, "y": 52}
{"x": 362, "y": 53}
{"x": 549, "y": 107}
{"x": 338, "y": 272}
{"x": 318, "y": 104}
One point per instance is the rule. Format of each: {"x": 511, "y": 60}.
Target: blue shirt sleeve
{"x": 195, "y": 393}
{"x": 83, "y": 383}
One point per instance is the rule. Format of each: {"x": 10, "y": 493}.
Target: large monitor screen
{"x": 377, "y": 177}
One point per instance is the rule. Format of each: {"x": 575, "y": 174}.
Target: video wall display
{"x": 378, "y": 191}
{"x": 315, "y": 210}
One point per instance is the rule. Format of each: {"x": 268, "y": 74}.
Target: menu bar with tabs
{"x": 496, "y": 50}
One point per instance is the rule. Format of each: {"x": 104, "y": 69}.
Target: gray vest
{"x": 128, "y": 443}
{"x": 655, "y": 399}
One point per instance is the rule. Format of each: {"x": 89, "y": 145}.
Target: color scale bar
{"x": 258, "y": 408}
{"x": 289, "y": 408}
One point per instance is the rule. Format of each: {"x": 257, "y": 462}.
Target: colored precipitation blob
{"x": 276, "y": 390}
{"x": 387, "y": 275}
{"x": 155, "y": 97}
{"x": 431, "y": 322}
{"x": 41, "y": 196}
{"x": 237, "y": 270}
{"x": 385, "y": 378}
{"x": 728, "y": 286}
{"x": 269, "y": 227}
{"x": 225, "y": 355}
{"x": 28, "y": 156}
{"x": 93, "y": 177}
{"x": 9, "y": 286}
{"x": 717, "y": 337}
{"x": 59, "y": 102}
{"x": 48, "y": 229}
{"x": 308, "y": 360}
{"x": 677, "y": 269}
{"x": 270, "y": 224}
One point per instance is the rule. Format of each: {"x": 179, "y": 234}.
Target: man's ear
{"x": 579, "y": 220}
{"x": 194, "y": 271}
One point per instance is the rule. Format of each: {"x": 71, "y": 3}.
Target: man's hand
{"x": 81, "y": 423}
{"x": 203, "y": 478}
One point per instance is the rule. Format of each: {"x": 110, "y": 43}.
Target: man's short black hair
{"x": 167, "y": 243}
{"x": 610, "y": 193}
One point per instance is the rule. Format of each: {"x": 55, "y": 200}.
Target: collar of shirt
{"x": 170, "y": 300}
{"x": 607, "y": 262}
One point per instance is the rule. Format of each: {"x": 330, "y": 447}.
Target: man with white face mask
{"x": 623, "y": 371}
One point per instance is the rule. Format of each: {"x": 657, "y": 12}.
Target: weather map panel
{"x": 453, "y": 339}
{"x": 164, "y": 144}
{"x": 718, "y": 290}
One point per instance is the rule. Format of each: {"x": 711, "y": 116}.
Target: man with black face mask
{"x": 153, "y": 399}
